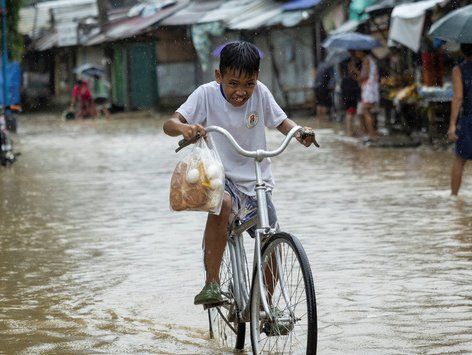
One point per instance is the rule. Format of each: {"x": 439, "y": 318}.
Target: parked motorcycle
{"x": 7, "y": 156}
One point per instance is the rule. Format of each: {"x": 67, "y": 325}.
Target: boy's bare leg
{"x": 456, "y": 175}
{"x": 215, "y": 240}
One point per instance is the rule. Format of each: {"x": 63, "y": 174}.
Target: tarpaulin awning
{"x": 290, "y": 18}
{"x": 407, "y": 22}
{"x": 300, "y": 4}
{"x": 357, "y": 7}
{"x": 415, "y": 9}
{"x": 384, "y": 6}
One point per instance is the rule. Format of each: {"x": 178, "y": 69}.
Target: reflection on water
{"x": 91, "y": 259}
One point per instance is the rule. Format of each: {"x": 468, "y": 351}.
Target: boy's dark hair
{"x": 243, "y": 57}
{"x": 466, "y": 49}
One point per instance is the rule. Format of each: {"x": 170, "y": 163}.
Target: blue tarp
{"x": 300, "y": 4}
{"x": 14, "y": 82}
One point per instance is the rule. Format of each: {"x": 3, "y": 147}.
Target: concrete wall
{"x": 293, "y": 53}
{"x": 177, "y": 68}
{"x": 92, "y": 55}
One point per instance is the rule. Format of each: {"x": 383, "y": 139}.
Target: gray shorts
{"x": 244, "y": 207}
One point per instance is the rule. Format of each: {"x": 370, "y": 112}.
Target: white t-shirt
{"x": 208, "y": 107}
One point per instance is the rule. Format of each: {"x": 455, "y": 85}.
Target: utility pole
{"x": 6, "y": 102}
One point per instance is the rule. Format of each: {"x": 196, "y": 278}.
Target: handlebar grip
{"x": 184, "y": 143}
{"x": 305, "y": 134}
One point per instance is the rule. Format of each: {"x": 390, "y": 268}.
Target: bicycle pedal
{"x": 213, "y": 305}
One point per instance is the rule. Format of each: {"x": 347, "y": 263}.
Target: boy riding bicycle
{"x": 241, "y": 104}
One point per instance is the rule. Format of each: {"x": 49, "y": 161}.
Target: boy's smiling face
{"x": 237, "y": 86}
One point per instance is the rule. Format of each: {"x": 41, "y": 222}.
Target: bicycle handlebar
{"x": 257, "y": 154}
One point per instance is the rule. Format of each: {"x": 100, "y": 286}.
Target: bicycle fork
{"x": 264, "y": 229}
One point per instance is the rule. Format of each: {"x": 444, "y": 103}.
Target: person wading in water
{"x": 460, "y": 126}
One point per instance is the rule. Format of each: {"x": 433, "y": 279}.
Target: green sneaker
{"x": 211, "y": 293}
{"x": 277, "y": 327}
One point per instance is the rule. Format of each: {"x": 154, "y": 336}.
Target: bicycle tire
{"x": 220, "y": 315}
{"x": 267, "y": 335}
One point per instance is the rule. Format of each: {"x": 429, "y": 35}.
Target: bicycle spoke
{"x": 290, "y": 327}
{"x": 230, "y": 333}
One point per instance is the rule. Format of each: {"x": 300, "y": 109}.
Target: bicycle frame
{"x": 236, "y": 247}
{"x": 235, "y": 241}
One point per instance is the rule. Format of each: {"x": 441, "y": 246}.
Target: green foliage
{"x": 14, "y": 39}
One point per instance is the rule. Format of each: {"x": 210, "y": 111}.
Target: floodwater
{"x": 93, "y": 261}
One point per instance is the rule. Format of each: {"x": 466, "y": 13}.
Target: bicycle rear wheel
{"x": 224, "y": 325}
{"x": 289, "y": 290}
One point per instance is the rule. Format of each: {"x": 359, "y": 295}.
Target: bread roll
{"x": 176, "y": 200}
{"x": 195, "y": 196}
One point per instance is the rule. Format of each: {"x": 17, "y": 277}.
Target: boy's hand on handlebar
{"x": 307, "y": 137}
{"x": 192, "y": 132}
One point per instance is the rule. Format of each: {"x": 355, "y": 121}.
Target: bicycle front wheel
{"x": 224, "y": 325}
{"x": 288, "y": 288}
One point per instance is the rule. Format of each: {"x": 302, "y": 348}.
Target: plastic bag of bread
{"x": 197, "y": 183}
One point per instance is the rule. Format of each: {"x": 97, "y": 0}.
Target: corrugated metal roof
{"x": 27, "y": 18}
{"x": 64, "y": 12}
{"x": 129, "y": 27}
{"x": 228, "y": 10}
{"x": 46, "y": 42}
{"x": 243, "y": 14}
{"x": 60, "y": 3}
{"x": 256, "y": 16}
{"x": 74, "y": 12}
{"x": 67, "y": 14}
{"x": 193, "y": 13}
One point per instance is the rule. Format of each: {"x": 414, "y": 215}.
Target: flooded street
{"x": 93, "y": 261}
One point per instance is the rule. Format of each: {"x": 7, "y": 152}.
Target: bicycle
{"x": 282, "y": 316}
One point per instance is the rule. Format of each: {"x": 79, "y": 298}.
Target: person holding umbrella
{"x": 457, "y": 27}
{"x": 360, "y": 46}
{"x": 81, "y": 95}
{"x": 368, "y": 78}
